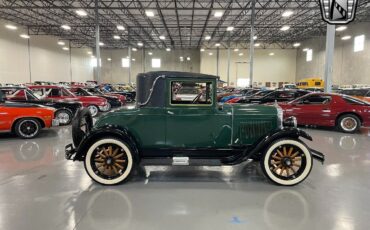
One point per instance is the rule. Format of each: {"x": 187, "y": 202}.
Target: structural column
{"x": 217, "y": 61}
{"x": 329, "y": 54}
{"x": 129, "y": 57}
{"x": 97, "y": 43}
{"x": 251, "y": 44}
{"x": 228, "y": 61}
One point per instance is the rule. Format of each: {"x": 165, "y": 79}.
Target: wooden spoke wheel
{"x": 287, "y": 162}
{"x": 109, "y": 161}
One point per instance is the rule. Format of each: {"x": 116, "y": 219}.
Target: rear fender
{"x": 105, "y": 132}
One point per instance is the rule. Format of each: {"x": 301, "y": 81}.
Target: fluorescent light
{"x": 168, "y": 49}
{"x": 271, "y": 54}
{"x": 150, "y": 53}
{"x": 61, "y": 43}
{"x": 285, "y": 28}
{"x": 119, "y": 27}
{"x": 11, "y": 27}
{"x": 181, "y": 58}
{"x": 188, "y": 58}
{"x": 347, "y": 37}
{"x": 254, "y": 37}
{"x": 341, "y": 28}
{"x": 162, "y": 37}
{"x": 359, "y": 43}
{"x": 217, "y": 44}
{"x": 257, "y": 44}
{"x": 116, "y": 37}
{"x": 81, "y": 13}
{"x": 296, "y": 44}
{"x": 65, "y": 48}
{"x": 134, "y": 49}
{"x": 240, "y": 54}
{"x": 149, "y": 13}
{"x": 140, "y": 44}
{"x": 210, "y": 54}
{"x": 109, "y": 59}
{"x": 202, "y": 50}
{"x": 207, "y": 37}
{"x": 66, "y": 27}
{"x": 287, "y": 13}
{"x": 236, "y": 49}
{"x": 133, "y": 59}
{"x": 305, "y": 49}
{"x": 25, "y": 36}
{"x": 230, "y": 28}
{"x": 89, "y": 52}
{"x": 218, "y": 14}
{"x": 101, "y": 43}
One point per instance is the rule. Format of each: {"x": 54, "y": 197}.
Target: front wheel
{"x": 109, "y": 161}
{"x": 64, "y": 116}
{"x": 287, "y": 162}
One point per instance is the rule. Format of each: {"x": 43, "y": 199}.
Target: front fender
{"x": 114, "y": 131}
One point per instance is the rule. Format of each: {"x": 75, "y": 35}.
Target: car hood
{"x": 249, "y": 109}
{"x": 90, "y": 98}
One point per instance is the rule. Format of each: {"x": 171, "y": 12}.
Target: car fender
{"x": 286, "y": 132}
{"x": 114, "y": 131}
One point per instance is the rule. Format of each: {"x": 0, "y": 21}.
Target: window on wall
{"x": 359, "y": 43}
{"x": 309, "y": 55}
{"x": 156, "y": 63}
{"x": 125, "y": 62}
{"x": 243, "y": 82}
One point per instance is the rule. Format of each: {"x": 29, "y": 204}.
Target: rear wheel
{"x": 64, "y": 116}
{"x": 106, "y": 108}
{"x": 348, "y": 123}
{"x": 27, "y": 128}
{"x": 109, "y": 161}
{"x": 287, "y": 162}
{"x": 94, "y": 110}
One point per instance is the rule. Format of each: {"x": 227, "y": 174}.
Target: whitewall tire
{"x": 109, "y": 161}
{"x": 287, "y": 162}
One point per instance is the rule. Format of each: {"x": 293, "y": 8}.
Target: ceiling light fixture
{"x": 296, "y": 44}
{"x": 230, "y": 28}
{"x": 236, "y": 50}
{"x": 257, "y": 44}
{"x": 202, "y": 50}
{"x": 81, "y": 13}
{"x": 119, "y": 27}
{"x": 341, "y": 28}
{"x": 65, "y": 48}
{"x": 287, "y": 13}
{"x": 271, "y": 54}
{"x": 116, "y": 37}
{"x": 101, "y": 43}
{"x": 168, "y": 49}
{"x": 89, "y": 52}
{"x": 66, "y": 27}
{"x": 218, "y": 14}
{"x": 162, "y": 37}
{"x": 254, "y": 37}
{"x": 188, "y": 58}
{"x": 210, "y": 54}
{"x": 134, "y": 49}
{"x": 109, "y": 59}
{"x": 61, "y": 43}
{"x": 285, "y": 28}
{"x": 11, "y": 27}
{"x": 149, "y": 13}
{"x": 241, "y": 54}
{"x": 207, "y": 37}
{"x": 347, "y": 37}
{"x": 150, "y": 53}
{"x": 217, "y": 44}
{"x": 25, "y": 36}
{"x": 140, "y": 44}
{"x": 305, "y": 49}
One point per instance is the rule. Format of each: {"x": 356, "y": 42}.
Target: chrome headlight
{"x": 290, "y": 122}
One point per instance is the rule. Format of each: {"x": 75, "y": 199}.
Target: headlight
{"x": 290, "y": 122}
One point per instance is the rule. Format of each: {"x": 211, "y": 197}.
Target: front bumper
{"x": 55, "y": 122}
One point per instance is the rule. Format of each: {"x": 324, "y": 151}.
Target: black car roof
{"x": 176, "y": 74}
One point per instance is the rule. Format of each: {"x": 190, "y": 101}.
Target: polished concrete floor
{"x": 40, "y": 190}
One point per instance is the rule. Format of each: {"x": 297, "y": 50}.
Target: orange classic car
{"x": 25, "y": 120}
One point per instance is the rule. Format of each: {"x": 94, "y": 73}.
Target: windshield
{"x": 31, "y": 95}
{"x": 94, "y": 90}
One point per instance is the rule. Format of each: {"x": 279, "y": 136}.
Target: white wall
{"x": 281, "y": 67}
{"x": 348, "y": 68}
{"x": 48, "y": 61}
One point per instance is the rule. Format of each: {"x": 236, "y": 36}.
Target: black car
{"x": 277, "y": 95}
{"x": 66, "y": 109}
{"x": 130, "y": 95}
{"x": 112, "y": 101}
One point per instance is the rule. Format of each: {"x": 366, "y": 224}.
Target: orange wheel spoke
{"x": 118, "y": 156}
{"x": 276, "y": 158}
{"x": 119, "y": 166}
{"x": 280, "y": 154}
{"x": 120, "y": 161}
{"x": 115, "y": 169}
{"x": 290, "y": 151}
{"x": 284, "y": 151}
{"x": 115, "y": 152}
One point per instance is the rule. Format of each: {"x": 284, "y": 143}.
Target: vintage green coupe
{"x": 177, "y": 120}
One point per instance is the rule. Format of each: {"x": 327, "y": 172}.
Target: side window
{"x": 65, "y": 93}
{"x": 54, "y": 93}
{"x": 316, "y": 100}
{"x": 191, "y": 92}
{"x": 317, "y": 83}
{"x": 38, "y": 92}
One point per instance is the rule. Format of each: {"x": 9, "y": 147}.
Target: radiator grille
{"x": 254, "y": 129}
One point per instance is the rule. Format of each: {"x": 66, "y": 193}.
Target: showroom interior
{"x": 184, "y": 114}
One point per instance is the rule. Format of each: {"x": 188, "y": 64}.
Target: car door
{"x": 197, "y": 123}
{"x": 314, "y": 110}
{"x": 6, "y": 117}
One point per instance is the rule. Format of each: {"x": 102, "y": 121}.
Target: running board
{"x": 181, "y": 161}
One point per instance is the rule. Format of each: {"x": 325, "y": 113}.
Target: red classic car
{"x": 346, "y": 113}
{"x": 25, "y": 120}
{"x": 94, "y": 104}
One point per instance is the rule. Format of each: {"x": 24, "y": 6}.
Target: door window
{"x": 316, "y": 100}
{"x": 54, "y": 93}
{"x": 191, "y": 93}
